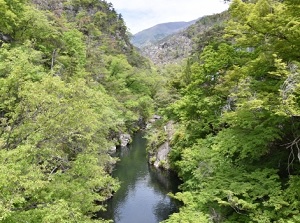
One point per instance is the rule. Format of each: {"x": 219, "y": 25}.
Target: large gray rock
{"x": 156, "y": 117}
{"x": 152, "y": 120}
{"x": 125, "y": 139}
{"x": 112, "y": 149}
{"x": 161, "y": 156}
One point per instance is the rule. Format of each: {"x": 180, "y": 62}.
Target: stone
{"x": 112, "y": 150}
{"x": 125, "y": 139}
{"x": 162, "y": 156}
{"x": 156, "y": 117}
{"x": 152, "y": 120}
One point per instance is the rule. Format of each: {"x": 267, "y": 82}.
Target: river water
{"x": 142, "y": 197}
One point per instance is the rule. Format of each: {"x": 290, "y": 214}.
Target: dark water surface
{"x": 142, "y": 197}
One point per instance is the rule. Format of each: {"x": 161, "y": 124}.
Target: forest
{"x": 71, "y": 82}
{"x": 237, "y": 141}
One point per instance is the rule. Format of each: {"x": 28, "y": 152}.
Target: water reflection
{"x": 143, "y": 193}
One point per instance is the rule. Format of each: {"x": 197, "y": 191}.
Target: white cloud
{"x": 142, "y": 14}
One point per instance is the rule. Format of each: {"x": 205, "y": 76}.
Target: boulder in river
{"x": 112, "y": 149}
{"x": 125, "y": 139}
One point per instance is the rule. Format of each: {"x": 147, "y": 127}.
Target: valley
{"x": 215, "y": 101}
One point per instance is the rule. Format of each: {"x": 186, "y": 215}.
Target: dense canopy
{"x": 237, "y": 145}
{"x": 71, "y": 82}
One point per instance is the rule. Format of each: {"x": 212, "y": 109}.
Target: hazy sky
{"x": 143, "y": 14}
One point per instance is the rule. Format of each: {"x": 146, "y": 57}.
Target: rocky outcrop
{"x": 4, "y": 38}
{"x": 152, "y": 120}
{"x": 161, "y": 157}
{"x": 119, "y": 140}
{"x": 124, "y": 139}
{"x": 112, "y": 150}
{"x": 171, "y": 50}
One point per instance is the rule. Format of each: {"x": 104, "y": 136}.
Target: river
{"x": 142, "y": 197}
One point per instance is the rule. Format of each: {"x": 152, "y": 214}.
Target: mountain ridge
{"x": 174, "y": 47}
{"x": 158, "y": 32}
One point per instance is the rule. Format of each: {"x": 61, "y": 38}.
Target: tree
{"x": 237, "y": 146}
{"x": 57, "y": 113}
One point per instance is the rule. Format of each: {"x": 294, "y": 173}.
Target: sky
{"x": 142, "y": 14}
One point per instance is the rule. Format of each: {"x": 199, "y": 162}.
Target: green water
{"x": 142, "y": 197}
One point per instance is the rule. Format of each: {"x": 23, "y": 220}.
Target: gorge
{"x": 142, "y": 196}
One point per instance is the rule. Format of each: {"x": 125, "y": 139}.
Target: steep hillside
{"x": 175, "y": 47}
{"x": 158, "y": 32}
{"x": 70, "y": 83}
{"x": 237, "y": 140}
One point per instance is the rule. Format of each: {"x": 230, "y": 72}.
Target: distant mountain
{"x": 158, "y": 32}
{"x": 179, "y": 45}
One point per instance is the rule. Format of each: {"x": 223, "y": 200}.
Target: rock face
{"x": 170, "y": 50}
{"x": 112, "y": 150}
{"x": 5, "y": 38}
{"x": 175, "y": 47}
{"x": 161, "y": 158}
{"x": 152, "y": 120}
{"x": 124, "y": 139}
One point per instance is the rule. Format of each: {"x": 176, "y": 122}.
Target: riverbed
{"x": 142, "y": 197}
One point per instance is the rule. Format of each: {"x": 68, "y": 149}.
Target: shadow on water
{"x": 142, "y": 196}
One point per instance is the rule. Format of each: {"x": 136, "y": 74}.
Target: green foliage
{"x": 57, "y": 149}
{"x": 10, "y": 11}
{"x": 69, "y": 79}
{"x": 73, "y": 53}
{"x": 188, "y": 216}
{"x": 134, "y": 88}
{"x": 237, "y": 145}
{"x": 63, "y": 94}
